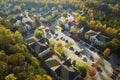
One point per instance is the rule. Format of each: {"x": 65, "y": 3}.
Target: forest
{"x": 16, "y": 62}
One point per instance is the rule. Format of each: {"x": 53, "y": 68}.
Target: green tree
{"x": 113, "y": 44}
{"x": 17, "y": 8}
{"x": 48, "y": 18}
{"x": 18, "y": 37}
{"x": 3, "y": 56}
{"x": 38, "y": 77}
{"x": 35, "y": 62}
{"x": 65, "y": 14}
{"x": 22, "y": 76}
{"x": 3, "y": 69}
{"x": 83, "y": 72}
{"x": 55, "y": 12}
{"x": 37, "y": 23}
{"x": 10, "y": 77}
{"x": 38, "y": 33}
{"x": 46, "y": 77}
{"x": 59, "y": 48}
{"x": 74, "y": 63}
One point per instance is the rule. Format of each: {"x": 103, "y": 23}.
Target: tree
{"x": 52, "y": 42}
{"x": 17, "y": 69}
{"x": 35, "y": 62}
{"x": 67, "y": 45}
{"x": 48, "y": 18}
{"x": 3, "y": 69}
{"x": 3, "y": 56}
{"x": 38, "y": 33}
{"x": 15, "y": 57}
{"x": 74, "y": 63}
{"x": 80, "y": 19}
{"x": 17, "y": 8}
{"x": 65, "y": 14}
{"x": 57, "y": 27}
{"x": 74, "y": 29}
{"x": 106, "y": 52}
{"x": 76, "y": 36}
{"x": 10, "y": 77}
{"x": 46, "y": 77}
{"x": 55, "y": 12}
{"x": 37, "y": 23}
{"x": 38, "y": 77}
{"x": 6, "y": 38}
{"x": 19, "y": 37}
{"x": 22, "y": 76}
{"x": 113, "y": 44}
{"x": 83, "y": 72}
{"x": 92, "y": 71}
{"x": 59, "y": 48}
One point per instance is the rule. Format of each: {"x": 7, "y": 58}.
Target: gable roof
{"x": 42, "y": 40}
{"x": 52, "y": 63}
{"x": 63, "y": 69}
{"x": 67, "y": 62}
{"x": 102, "y": 38}
{"x": 38, "y": 47}
{"x": 31, "y": 40}
{"x": 92, "y": 33}
{"x": 68, "y": 73}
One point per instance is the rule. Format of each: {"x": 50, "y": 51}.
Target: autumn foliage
{"x": 92, "y": 71}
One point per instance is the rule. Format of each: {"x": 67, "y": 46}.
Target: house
{"x": 38, "y": 46}
{"x": 42, "y": 19}
{"x": 31, "y": 40}
{"x": 18, "y": 22}
{"x": 61, "y": 69}
{"x": 69, "y": 18}
{"x": 40, "y": 9}
{"x": 82, "y": 12}
{"x": 53, "y": 8}
{"x": 5, "y": 9}
{"x": 26, "y": 19}
{"x": 67, "y": 27}
{"x": 96, "y": 37}
{"x": 27, "y": 27}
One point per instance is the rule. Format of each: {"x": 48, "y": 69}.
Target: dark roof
{"x": 72, "y": 24}
{"x": 58, "y": 71}
{"x": 52, "y": 63}
{"x": 13, "y": 20}
{"x": 77, "y": 78}
{"x": 30, "y": 40}
{"x": 63, "y": 70}
{"x": 19, "y": 17}
{"x": 102, "y": 38}
{"x": 68, "y": 73}
{"x": 79, "y": 25}
{"x": 42, "y": 40}
{"x": 49, "y": 36}
{"x": 38, "y": 47}
{"x": 67, "y": 62}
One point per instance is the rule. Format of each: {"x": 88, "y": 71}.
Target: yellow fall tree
{"x": 106, "y": 52}
{"x": 10, "y": 77}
